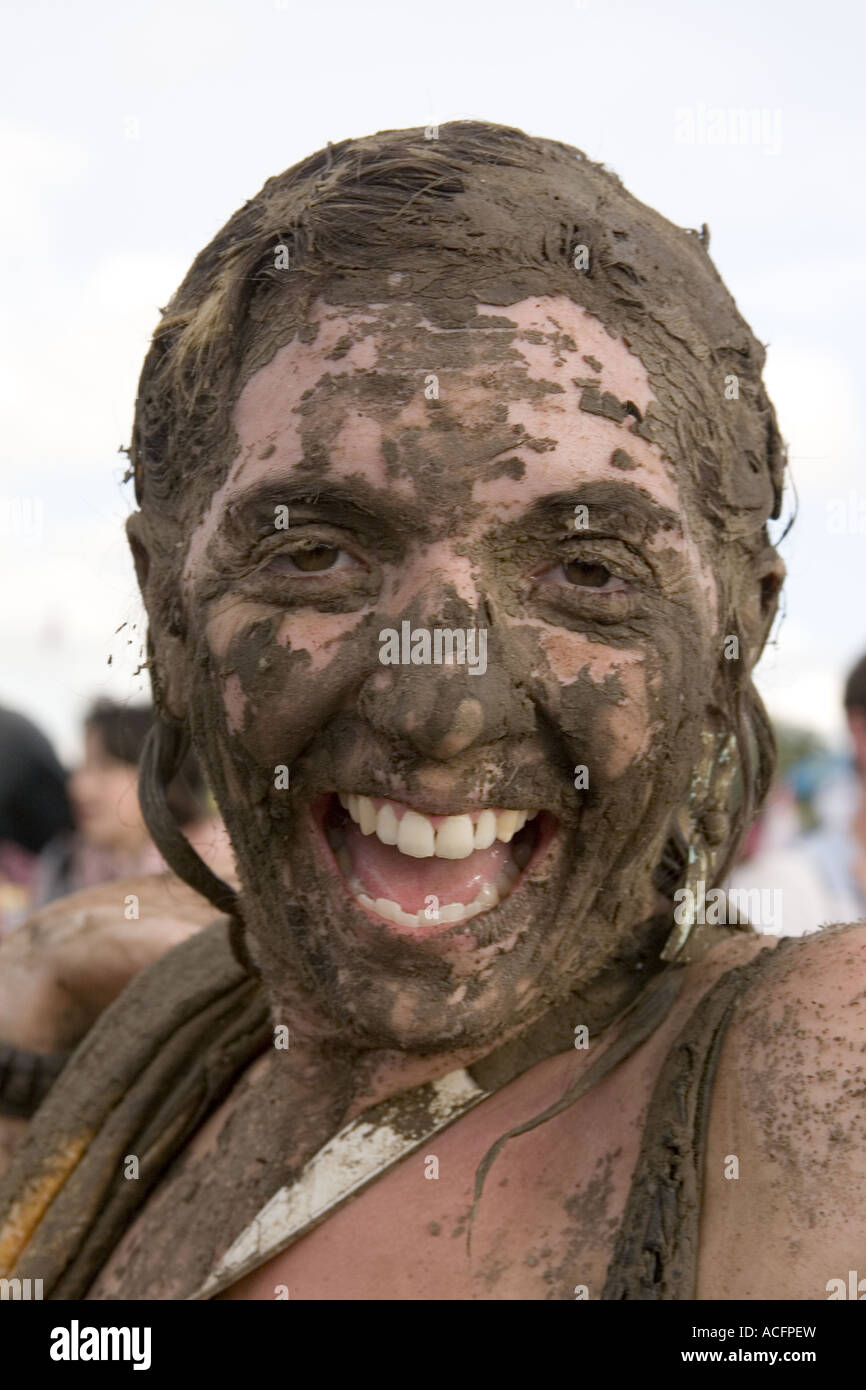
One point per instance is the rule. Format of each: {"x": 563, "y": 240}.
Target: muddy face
{"x": 439, "y": 837}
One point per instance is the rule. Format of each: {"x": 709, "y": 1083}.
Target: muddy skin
{"x": 589, "y": 1223}
{"x": 797, "y": 1058}
{"x": 226, "y": 1172}
{"x": 574, "y": 677}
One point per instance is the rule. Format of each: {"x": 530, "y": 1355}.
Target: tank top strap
{"x": 656, "y": 1251}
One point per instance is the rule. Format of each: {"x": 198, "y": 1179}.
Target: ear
{"x": 166, "y": 649}
{"x": 762, "y": 581}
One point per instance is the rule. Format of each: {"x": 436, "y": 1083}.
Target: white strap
{"x": 347, "y": 1163}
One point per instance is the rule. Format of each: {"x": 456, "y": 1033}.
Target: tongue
{"x": 386, "y": 873}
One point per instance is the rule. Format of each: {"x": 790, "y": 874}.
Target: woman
{"x": 465, "y": 385}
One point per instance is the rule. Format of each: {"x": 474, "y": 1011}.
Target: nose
{"x": 444, "y": 708}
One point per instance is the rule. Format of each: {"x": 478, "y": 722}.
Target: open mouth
{"x": 425, "y": 874}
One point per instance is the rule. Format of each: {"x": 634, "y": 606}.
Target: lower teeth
{"x": 488, "y": 897}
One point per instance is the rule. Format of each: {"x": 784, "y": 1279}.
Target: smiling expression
{"x": 438, "y": 852}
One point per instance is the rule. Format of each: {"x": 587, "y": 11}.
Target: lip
{"x": 369, "y": 925}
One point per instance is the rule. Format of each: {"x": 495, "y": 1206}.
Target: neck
{"x": 597, "y": 1006}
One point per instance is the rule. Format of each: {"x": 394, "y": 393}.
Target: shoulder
{"x": 66, "y": 963}
{"x": 785, "y": 1163}
{"x": 798, "y": 1036}
{"x": 819, "y": 979}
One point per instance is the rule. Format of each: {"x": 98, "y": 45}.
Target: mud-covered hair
{"x": 484, "y": 213}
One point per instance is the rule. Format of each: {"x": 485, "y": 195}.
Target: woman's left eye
{"x": 585, "y": 574}
{"x": 313, "y": 559}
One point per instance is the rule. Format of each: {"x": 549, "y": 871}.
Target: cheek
{"x": 569, "y": 654}
{"x": 320, "y": 635}
{"x": 627, "y": 724}
{"x": 611, "y": 703}
{"x": 282, "y": 677}
{"x": 618, "y": 697}
{"x": 235, "y": 702}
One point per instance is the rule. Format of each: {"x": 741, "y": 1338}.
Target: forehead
{"x": 546, "y": 338}
{"x": 526, "y": 399}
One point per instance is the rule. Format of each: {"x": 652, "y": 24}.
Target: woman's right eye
{"x": 312, "y": 559}
{"x": 588, "y": 575}
{"x": 591, "y": 576}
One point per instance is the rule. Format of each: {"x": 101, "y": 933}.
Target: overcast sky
{"x": 131, "y": 131}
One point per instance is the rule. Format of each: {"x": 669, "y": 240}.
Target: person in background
{"x": 855, "y": 709}
{"x": 111, "y": 840}
{"x": 34, "y": 809}
{"x": 822, "y": 873}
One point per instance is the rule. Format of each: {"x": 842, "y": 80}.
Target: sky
{"x": 129, "y": 134}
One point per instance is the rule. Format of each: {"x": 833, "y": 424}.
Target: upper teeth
{"x": 456, "y": 837}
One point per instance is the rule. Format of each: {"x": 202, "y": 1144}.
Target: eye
{"x": 585, "y": 574}
{"x": 313, "y": 559}
{"x": 590, "y": 576}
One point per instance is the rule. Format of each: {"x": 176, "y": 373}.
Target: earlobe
{"x": 140, "y": 552}
{"x": 771, "y": 578}
{"x": 165, "y": 661}
{"x": 764, "y": 577}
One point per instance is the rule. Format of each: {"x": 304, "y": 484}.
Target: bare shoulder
{"x": 806, "y": 1006}
{"x": 785, "y": 1169}
{"x": 65, "y": 965}
{"x": 67, "y": 962}
{"x": 144, "y": 897}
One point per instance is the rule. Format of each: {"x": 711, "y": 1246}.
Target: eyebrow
{"x": 608, "y": 502}
{"x": 352, "y": 501}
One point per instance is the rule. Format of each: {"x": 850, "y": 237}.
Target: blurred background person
{"x": 821, "y": 870}
{"x": 110, "y": 840}
{"x": 34, "y": 810}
